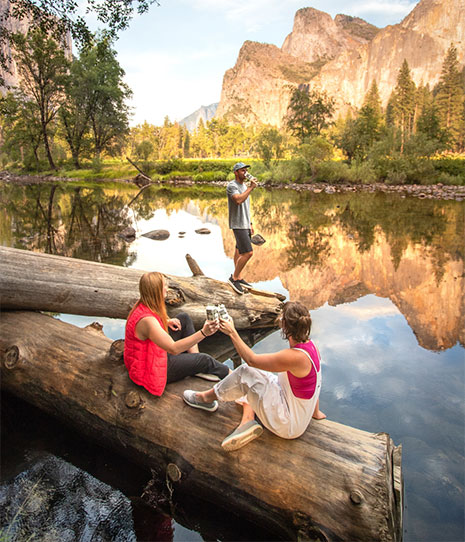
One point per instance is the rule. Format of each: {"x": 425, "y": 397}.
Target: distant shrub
{"x": 406, "y": 169}
{"x": 333, "y": 172}
{"x": 363, "y": 172}
{"x": 451, "y": 166}
{"x": 209, "y": 176}
{"x": 447, "y": 178}
{"x": 96, "y": 165}
{"x": 289, "y": 171}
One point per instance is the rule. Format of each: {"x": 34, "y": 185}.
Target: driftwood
{"x": 33, "y": 281}
{"x": 334, "y": 483}
{"x": 145, "y": 178}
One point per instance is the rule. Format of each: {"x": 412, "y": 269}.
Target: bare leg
{"x": 317, "y": 414}
{"x": 206, "y": 396}
{"x": 247, "y": 414}
{"x": 242, "y": 259}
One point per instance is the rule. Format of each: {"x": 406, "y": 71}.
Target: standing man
{"x": 239, "y": 221}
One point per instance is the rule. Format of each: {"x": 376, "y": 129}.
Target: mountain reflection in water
{"x": 382, "y": 275}
{"x": 323, "y": 248}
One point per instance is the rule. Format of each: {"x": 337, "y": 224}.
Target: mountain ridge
{"x": 340, "y": 61}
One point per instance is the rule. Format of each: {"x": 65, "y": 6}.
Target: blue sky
{"x": 175, "y": 56}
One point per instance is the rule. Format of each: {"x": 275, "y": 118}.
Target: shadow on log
{"x": 34, "y": 281}
{"x": 333, "y": 483}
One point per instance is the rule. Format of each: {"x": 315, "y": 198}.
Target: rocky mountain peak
{"x": 342, "y": 56}
{"x": 316, "y": 36}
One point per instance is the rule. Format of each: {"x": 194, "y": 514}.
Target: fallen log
{"x": 334, "y": 483}
{"x": 34, "y": 281}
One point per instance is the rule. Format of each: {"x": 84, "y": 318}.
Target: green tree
{"x": 314, "y": 152}
{"x": 269, "y": 145}
{"x": 358, "y": 135}
{"x": 144, "y": 149}
{"x": 402, "y": 104}
{"x": 427, "y": 116}
{"x": 42, "y": 68}
{"x": 450, "y": 97}
{"x": 308, "y": 113}
{"x": 109, "y": 112}
{"x": 22, "y": 132}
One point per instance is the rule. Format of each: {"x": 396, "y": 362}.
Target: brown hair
{"x": 151, "y": 295}
{"x": 296, "y": 321}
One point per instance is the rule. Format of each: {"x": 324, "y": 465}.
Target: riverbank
{"x": 434, "y": 191}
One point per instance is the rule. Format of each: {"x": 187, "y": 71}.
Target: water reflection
{"x": 384, "y": 278}
{"x": 323, "y": 249}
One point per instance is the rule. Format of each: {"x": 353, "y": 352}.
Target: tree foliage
{"x": 402, "y": 103}
{"x": 309, "y": 112}
{"x": 42, "y": 67}
{"x": 450, "y": 98}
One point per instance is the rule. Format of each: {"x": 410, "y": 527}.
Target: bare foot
{"x": 318, "y": 415}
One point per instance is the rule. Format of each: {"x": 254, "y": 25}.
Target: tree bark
{"x": 334, "y": 483}
{"x": 33, "y": 281}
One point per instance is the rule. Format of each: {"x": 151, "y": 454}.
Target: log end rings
{"x": 11, "y": 357}
{"x": 356, "y": 496}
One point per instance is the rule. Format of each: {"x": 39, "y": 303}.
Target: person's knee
{"x": 248, "y": 255}
{"x": 183, "y": 317}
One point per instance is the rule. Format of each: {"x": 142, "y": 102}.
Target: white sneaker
{"x": 208, "y": 376}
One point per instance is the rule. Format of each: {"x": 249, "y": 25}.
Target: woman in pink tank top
{"x": 284, "y": 402}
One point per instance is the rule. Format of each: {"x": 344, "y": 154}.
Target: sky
{"x": 175, "y": 55}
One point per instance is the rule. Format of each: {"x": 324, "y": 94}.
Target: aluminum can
{"x": 223, "y": 313}
{"x": 212, "y": 312}
{"x": 249, "y": 177}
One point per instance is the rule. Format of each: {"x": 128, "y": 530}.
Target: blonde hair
{"x": 151, "y": 295}
{"x": 296, "y": 321}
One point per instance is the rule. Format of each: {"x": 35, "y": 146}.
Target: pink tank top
{"x": 304, "y": 388}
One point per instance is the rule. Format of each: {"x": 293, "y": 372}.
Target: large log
{"x": 333, "y": 483}
{"x": 35, "y": 281}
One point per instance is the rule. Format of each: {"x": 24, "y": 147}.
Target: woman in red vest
{"x": 159, "y": 350}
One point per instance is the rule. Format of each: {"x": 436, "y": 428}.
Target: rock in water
{"x": 129, "y": 233}
{"x": 157, "y": 235}
{"x": 257, "y": 239}
{"x": 203, "y": 231}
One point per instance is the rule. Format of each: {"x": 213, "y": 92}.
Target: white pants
{"x": 271, "y": 398}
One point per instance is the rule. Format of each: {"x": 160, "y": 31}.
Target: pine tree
{"x": 403, "y": 103}
{"x": 450, "y": 97}
{"x": 427, "y": 120}
{"x": 373, "y": 100}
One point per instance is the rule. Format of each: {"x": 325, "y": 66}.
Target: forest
{"x": 71, "y": 115}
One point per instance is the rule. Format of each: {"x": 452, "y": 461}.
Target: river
{"x": 383, "y": 277}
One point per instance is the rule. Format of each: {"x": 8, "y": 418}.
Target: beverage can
{"x": 212, "y": 312}
{"x": 248, "y": 176}
{"x": 223, "y": 313}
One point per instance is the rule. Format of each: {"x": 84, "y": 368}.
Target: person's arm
{"x": 150, "y": 328}
{"x": 284, "y": 360}
{"x": 240, "y": 198}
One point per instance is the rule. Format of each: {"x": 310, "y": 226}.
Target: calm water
{"x": 383, "y": 277}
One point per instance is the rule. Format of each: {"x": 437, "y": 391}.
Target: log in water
{"x": 34, "y": 281}
{"x": 333, "y": 483}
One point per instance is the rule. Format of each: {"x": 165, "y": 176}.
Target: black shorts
{"x": 243, "y": 242}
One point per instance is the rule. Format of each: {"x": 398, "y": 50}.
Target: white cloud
{"x": 387, "y": 8}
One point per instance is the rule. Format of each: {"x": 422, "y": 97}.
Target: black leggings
{"x": 187, "y": 364}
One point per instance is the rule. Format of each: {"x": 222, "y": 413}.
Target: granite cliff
{"x": 11, "y": 76}
{"x": 343, "y": 56}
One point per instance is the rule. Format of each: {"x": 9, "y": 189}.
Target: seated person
{"x": 159, "y": 350}
{"x": 284, "y": 403}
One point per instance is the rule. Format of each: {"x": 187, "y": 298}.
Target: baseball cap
{"x": 239, "y": 165}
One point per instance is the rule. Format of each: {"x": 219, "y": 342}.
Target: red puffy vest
{"x": 144, "y": 360}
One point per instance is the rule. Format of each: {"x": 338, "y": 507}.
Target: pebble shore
{"x": 434, "y": 191}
